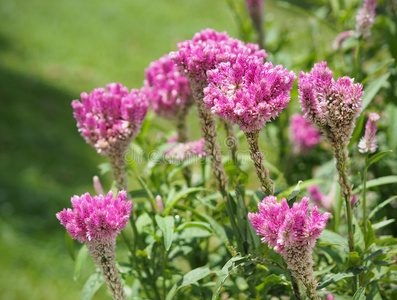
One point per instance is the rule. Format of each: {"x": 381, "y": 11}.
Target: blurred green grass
{"x": 49, "y": 53}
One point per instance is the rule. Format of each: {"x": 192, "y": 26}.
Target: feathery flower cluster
{"x": 365, "y": 18}
{"x": 331, "y": 105}
{"x": 184, "y": 151}
{"x": 110, "y": 118}
{"x": 167, "y": 89}
{"x": 96, "y": 218}
{"x": 368, "y": 141}
{"x": 303, "y": 136}
{"x": 248, "y": 92}
{"x": 207, "y": 49}
{"x": 292, "y": 232}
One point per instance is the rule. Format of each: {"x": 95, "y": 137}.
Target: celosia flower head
{"x": 167, "y": 89}
{"x": 365, "y": 18}
{"x": 368, "y": 142}
{"x": 285, "y": 228}
{"x": 106, "y": 117}
{"x": 329, "y": 104}
{"x": 207, "y": 49}
{"x": 184, "y": 151}
{"x": 96, "y": 218}
{"x": 248, "y": 92}
{"x": 303, "y": 136}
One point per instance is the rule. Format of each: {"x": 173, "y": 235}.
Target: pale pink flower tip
{"x": 368, "y": 143}
{"x": 288, "y": 228}
{"x": 207, "y": 49}
{"x": 324, "y": 201}
{"x": 248, "y": 92}
{"x": 330, "y": 296}
{"x": 167, "y": 89}
{"x": 106, "y": 117}
{"x": 184, "y": 151}
{"x": 303, "y": 136}
{"x": 329, "y": 104}
{"x": 96, "y": 218}
{"x": 365, "y": 18}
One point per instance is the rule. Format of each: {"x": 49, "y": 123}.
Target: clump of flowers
{"x": 303, "y": 136}
{"x": 368, "y": 142}
{"x": 365, "y": 18}
{"x": 97, "y": 221}
{"x": 292, "y": 232}
{"x": 249, "y": 93}
{"x": 333, "y": 106}
{"x": 184, "y": 151}
{"x": 169, "y": 92}
{"x": 109, "y": 121}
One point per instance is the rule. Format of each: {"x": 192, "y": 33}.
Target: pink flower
{"x": 303, "y": 136}
{"x": 285, "y": 228}
{"x": 365, "y": 18}
{"x": 184, "y": 151}
{"x": 167, "y": 89}
{"x": 331, "y": 105}
{"x": 106, "y": 118}
{"x": 368, "y": 141}
{"x": 248, "y": 92}
{"x": 324, "y": 201}
{"x": 338, "y": 43}
{"x": 207, "y": 49}
{"x": 98, "y": 218}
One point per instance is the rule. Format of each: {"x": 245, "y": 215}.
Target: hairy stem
{"x": 259, "y": 161}
{"x": 116, "y": 157}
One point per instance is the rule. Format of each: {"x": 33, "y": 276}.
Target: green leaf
{"x": 167, "y": 227}
{"x": 384, "y": 65}
{"x": 359, "y": 294}
{"x": 372, "y": 89}
{"x": 303, "y": 186}
{"x": 357, "y": 131}
{"x": 336, "y": 239}
{"x": 141, "y": 193}
{"x": 189, "y": 278}
{"x": 270, "y": 281}
{"x": 202, "y": 225}
{"x": 382, "y": 224}
{"x": 178, "y": 196}
{"x": 292, "y": 197}
{"x": 69, "y": 244}
{"x": 377, "y": 182}
{"x": 370, "y": 238}
{"x": 224, "y": 274}
{"x": 80, "y": 260}
{"x": 91, "y": 286}
{"x": 136, "y": 285}
{"x": 374, "y": 158}
{"x": 332, "y": 278}
{"x": 380, "y": 206}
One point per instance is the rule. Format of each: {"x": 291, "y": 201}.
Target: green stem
{"x": 163, "y": 271}
{"x": 356, "y": 59}
{"x": 364, "y": 198}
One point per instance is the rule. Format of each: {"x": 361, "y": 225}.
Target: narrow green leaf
{"x": 372, "y": 89}
{"x": 292, "y": 197}
{"x": 303, "y": 186}
{"x": 377, "y": 182}
{"x": 202, "y": 225}
{"x": 167, "y": 227}
{"x": 332, "y": 278}
{"x": 269, "y": 282}
{"x": 328, "y": 235}
{"x": 370, "y": 238}
{"x": 79, "y": 263}
{"x": 178, "y": 196}
{"x": 374, "y": 158}
{"x": 224, "y": 274}
{"x": 380, "y": 206}
{"x": 189, "y": 278}
{"x": 136, "y": 286}
{"x": 69, "y": 244}
{"x": 359, "y": 294}
{"x": 382, "y": 224}
{"x": 91, "y": 286}
{"x": 384, "y": 65}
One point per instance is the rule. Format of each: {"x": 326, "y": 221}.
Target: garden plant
{"x": 281, "y": 197}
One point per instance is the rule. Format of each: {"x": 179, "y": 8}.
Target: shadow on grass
{"x": 43, "y": 159}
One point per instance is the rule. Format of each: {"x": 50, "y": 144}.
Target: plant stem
{"x": 231, "y": 140}
{"x": 356, "y": 59}
{"x": 183, "y": 137}
{"x": 295, "y": 288}
{"x": 259, "y": 161}
{"x": 364, "y": 198}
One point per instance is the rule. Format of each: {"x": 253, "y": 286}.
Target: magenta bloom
{"x": 331, "y": 105}
{"x": 96, "y": 218}
{"x": 248, "y": 92}
{"x": 184, "y": 151}
{"x": 365, "y": 18}
{"x": 286, "y": 228}
{"x": 303, "y": 136}
{"x": 368, "y": 141}
{"x": 167, "y": 89}
{"x": 105, "y": 118}
{"x": 207, "y": 49}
